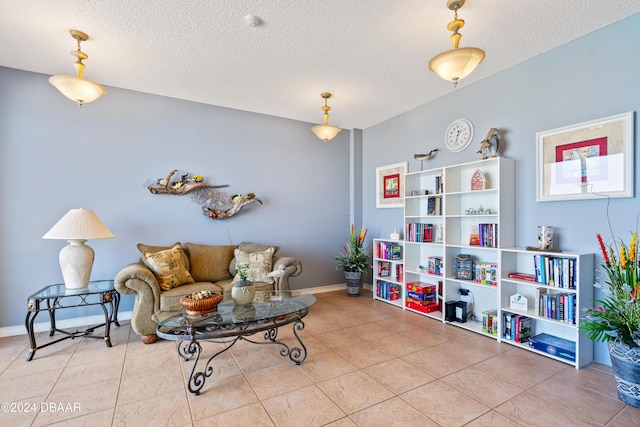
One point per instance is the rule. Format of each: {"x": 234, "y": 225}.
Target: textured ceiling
{"x": 371, "y": 54}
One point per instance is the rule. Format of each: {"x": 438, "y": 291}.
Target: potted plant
{"x": 243, "y": 290}
{"x": 354, "y": 260}
{"x": 615, "y": 318}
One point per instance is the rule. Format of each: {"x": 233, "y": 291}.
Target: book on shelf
{"x": 486, "y": 236}
{"x": 516, "y": 327}
{"x": 439, "y": 184}
{"x": 560, "y": 307}
{"x": 434, "y": 206}
{"x": 555, "y": 271}
{"x": 387, "y": 250}
{"x": 419, "y": 232}
{"x": 399, "y": 272}
{"x": 490, "y": 322}
{"x": 387, "y": 290}
{"x": 384, "y": 269}
{"x": 555, "y": 346}
{"x": 435, "y": 265}
{"x": 523, "y": 276}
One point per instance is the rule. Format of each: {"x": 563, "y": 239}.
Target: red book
{"x": 523, "y": 276}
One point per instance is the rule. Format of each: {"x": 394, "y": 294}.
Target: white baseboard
{"x": 78, "y": 322}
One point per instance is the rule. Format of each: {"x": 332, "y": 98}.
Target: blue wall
{"x": 593, "y": 77}
{"x": 55, "y": 156}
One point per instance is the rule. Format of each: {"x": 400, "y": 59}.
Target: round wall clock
{"x": 458, "y": 135}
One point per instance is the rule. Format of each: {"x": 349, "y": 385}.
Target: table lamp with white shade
{"x": 76, "y": 259}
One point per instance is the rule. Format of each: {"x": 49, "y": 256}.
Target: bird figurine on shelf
{"x": 423, "y": 157}
{"x": 489, "y": 147}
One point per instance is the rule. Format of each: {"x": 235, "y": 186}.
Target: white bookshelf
{"x": 390, "y": 255}
{"x": 518, "y": 260}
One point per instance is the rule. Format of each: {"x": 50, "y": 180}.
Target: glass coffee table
{"x": 269, "y": 311}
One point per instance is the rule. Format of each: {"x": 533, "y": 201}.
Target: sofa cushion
{"x": 169, "y": 267}
{"x": 151, "y": 248}
{"x": 250, "y": 247}
{"x": 209, "y": 263}
{"x": 255, "y": 265}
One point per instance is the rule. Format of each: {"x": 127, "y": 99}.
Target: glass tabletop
{"x": 60, "y": 290}
{"x": 266, "y": 306}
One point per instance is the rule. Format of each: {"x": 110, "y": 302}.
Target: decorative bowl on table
{"x": 201, "y": 302}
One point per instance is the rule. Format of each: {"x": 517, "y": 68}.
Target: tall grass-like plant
{"x": 617, "y": 315}
{"x": 354, "y": 256}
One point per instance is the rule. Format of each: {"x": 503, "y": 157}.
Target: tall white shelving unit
{"x": 469, "y": 209}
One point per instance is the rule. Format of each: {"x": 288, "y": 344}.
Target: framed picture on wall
{"x": 588, "y": 160}
{"x": 390, "y": 185}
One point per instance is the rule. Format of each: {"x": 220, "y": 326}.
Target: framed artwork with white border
{"x": 588, "y": 160}
{"x": 390, "y": 185}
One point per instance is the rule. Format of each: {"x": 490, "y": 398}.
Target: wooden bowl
{"x": 200, "y": 306}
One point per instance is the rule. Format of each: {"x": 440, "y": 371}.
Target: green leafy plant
{"x": 243, "y": 271}
{"x": 617, "y": 315}
{"x": 354, "y": 256}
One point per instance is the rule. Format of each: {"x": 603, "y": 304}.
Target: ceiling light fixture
{"x": 326, "y": 132}
{"x": 457, "y": 63}
{"x": 78, "y": 89}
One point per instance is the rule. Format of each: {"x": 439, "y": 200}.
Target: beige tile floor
{"x": 368, "y": 364}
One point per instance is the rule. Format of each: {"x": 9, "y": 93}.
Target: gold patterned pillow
{"x": 255, "y": 265}
{"x": 168, "y": 266}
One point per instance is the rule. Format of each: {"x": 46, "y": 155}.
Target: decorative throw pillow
{"x": 169, "y": 267}
{"x": 255, "y": 265}
{"x": 210, "y": 263}
{"x": 151, "y": 248}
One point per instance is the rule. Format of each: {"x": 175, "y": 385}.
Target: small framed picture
{"x": 588, "y": 160}
{"x": 390, "y": 185}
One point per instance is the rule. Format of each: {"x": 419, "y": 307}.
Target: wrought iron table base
{"x": 109, "y": 299}
{"x": 188, "y": 349}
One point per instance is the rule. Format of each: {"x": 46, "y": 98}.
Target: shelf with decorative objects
{"x": 388, "y": 271}
{"x": 549, "y": 290}
{"x": 458, "y": 256}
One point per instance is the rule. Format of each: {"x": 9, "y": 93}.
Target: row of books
{"x": 561, "y": 307}
{"x": 516, "y": 327}
{"x": 385, "y": 267}
{"x": 555, "y": 271}
{"x": 487, "y": 236}
{"x": 387, "y": 250}
{"x": 387, "y": 290}
{"x": 417, "y": 232}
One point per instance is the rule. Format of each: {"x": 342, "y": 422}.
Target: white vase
{"x": 243, "y": 292}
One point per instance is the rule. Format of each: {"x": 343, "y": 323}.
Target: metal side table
{"x": 56, "y": 297}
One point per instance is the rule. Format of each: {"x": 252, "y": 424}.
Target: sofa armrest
{"x": 283, "y": 268}
{"x": 137, "y": 279}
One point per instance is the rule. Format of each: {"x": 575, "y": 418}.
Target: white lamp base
{"x": 76, "y": 261}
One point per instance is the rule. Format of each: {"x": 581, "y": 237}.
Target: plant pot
{"x": 354, "y": 282}
{"x": 625, "y": 362}
{"x": 243, "y": 292}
